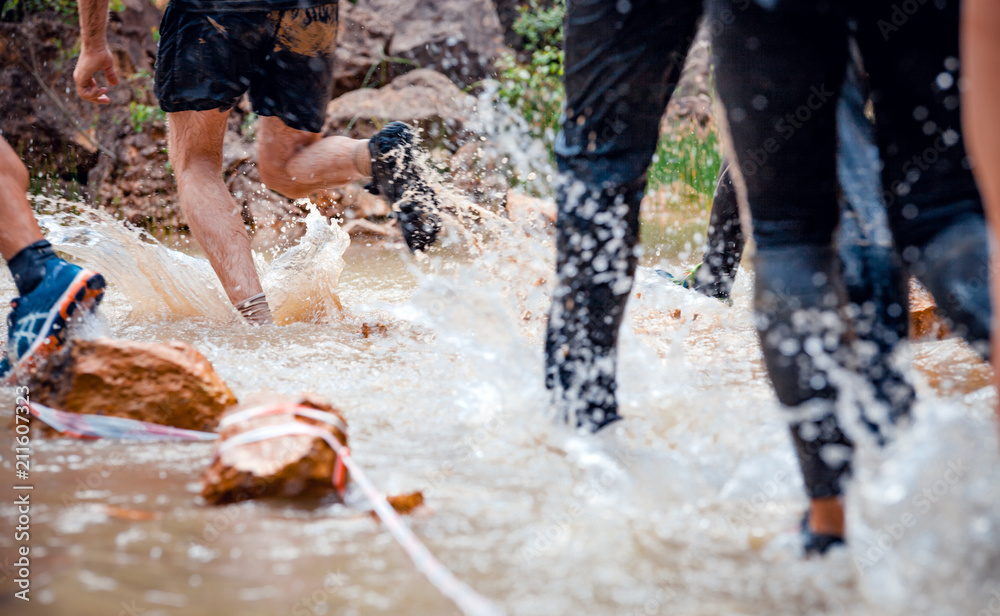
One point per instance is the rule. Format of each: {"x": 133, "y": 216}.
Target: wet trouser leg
{"x": 724, "y": 246}
{"x": 778, "y": 72}
{"x": 780, "y": 87}
{"x": 934, "y": 206}
{"x": 622, "y": 61}
{"x": 877, "y": 289}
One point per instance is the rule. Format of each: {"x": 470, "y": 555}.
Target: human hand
{"x": 89, "y": 64}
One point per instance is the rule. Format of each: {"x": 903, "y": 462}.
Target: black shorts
{"x": 284, "y": 58}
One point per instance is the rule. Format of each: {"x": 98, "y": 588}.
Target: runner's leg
{"x": 216, "y": 221}
{"x": 19, "y": 227}
{"x": 980, "y": 58}
{"x": 935, "y": 209}
{"x": 298, "y": 163}
{"x": 622, "y": 63}
{"x": 778, "y": 73}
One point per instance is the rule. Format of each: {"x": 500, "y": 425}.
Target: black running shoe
{"x": 814, "y": 543}
{"x": 397, "y": 175}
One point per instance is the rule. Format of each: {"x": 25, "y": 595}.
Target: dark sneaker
{"x": 36, "y": 327}
{"x": 814, "y": 543}
{"x": 397, "y": 175}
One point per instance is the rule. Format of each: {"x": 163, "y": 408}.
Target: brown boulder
{"x": 421, "y": 98}
{"x": 170, "y": 384}
{"x": 363, "y": 37}
{"x": 287, "y": 466}
{"x": 459, "y": 38}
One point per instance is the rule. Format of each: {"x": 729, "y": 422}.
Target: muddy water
{"x": 691, "y": 510}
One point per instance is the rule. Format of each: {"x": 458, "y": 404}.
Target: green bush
{"x": 687, "y": 153}
{"x": 534, "y": 87}
{"x": 140, "y": 114}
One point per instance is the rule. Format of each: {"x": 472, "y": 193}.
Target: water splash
{"x": 301, "y": 283}
{"x": 156, "y": 282}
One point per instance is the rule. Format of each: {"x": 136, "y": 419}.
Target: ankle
{"x": 362, "y": 158}
{"x": 826, "y": 516}
{"x": 255, "y": 310}
{"x": 28, "y": 266}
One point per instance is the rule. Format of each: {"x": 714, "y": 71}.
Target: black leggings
{"x": 877, "y": 291}
{"x": 620, "y": 70}
{"x": 774, "y": 69}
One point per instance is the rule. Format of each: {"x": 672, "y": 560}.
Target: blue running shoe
{"x": 686, "y": 281}
{"x": 36, "y": 327}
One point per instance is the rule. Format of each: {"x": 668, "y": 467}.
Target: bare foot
{"x": 826, "y": 516}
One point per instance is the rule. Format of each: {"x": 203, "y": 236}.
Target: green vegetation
{"x": 248, "y": 128}
{"x": 382, "y": 66}
{"x": 140, "y": 114}
{"x": 14, "y": 10}
{"x": 689, "y": 154}
{"x": 534, "y": 88}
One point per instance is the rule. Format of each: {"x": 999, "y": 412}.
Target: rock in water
{"x": 924, "y": 320}
{"x": 170, "y": 384}
{"x": 286, "y": 466}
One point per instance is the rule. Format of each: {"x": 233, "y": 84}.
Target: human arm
{"x": 94, "y": 54}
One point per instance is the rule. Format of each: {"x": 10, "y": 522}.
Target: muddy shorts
{"x": 283, "y": 58}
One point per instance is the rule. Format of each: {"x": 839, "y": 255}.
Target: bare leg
{"x": 980, "y": 58}
{"x": 826, "y": 516}
{"x": 297, "y": 163}
{"x": 19, "y": 227}
{"x": 216, "y": 221}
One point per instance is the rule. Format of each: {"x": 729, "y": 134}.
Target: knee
{"x": 13, "y": 173}
{"x": 194, "y": 169}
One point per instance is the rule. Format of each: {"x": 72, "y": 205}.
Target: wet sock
{"x": 362, "y": 158}
{"x": 28, "y": 265}
{"x": 255, "y": 310}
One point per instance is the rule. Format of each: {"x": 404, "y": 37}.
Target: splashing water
{"x": 301, "y": 283}
{"x": 697, "y": 513}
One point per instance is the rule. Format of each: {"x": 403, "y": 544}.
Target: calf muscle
{"x": 216, "y": 221}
